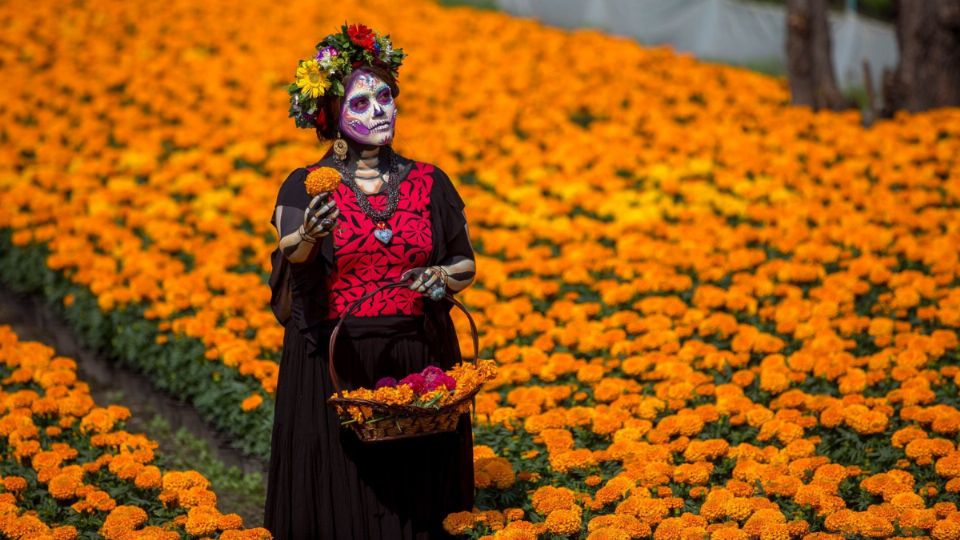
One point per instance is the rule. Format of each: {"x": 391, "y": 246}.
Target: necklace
{"x": 382, "y": 233}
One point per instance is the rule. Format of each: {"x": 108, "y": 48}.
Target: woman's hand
{"x": 431, "y": 280}
{"x": 319, "y": 218}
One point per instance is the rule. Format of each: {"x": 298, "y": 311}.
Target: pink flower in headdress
{"x": 325, "y": 54}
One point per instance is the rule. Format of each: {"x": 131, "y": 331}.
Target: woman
{"x": 390, "y": 219}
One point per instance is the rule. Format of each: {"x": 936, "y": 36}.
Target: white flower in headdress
{"x": 327, "y": 57}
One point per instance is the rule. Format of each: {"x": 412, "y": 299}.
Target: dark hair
{"x": 332, "y": 104}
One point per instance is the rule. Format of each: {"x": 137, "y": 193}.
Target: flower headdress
{"x": 337, "y": 56}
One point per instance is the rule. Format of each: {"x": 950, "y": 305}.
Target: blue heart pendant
{"x": 383, "y": 235}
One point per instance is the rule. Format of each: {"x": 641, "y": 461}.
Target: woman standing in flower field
{"x": 360, "y": 217}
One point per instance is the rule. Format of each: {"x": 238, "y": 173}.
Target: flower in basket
{"x": 469, "y": 376}
{"x": 386, "y": 381}
{"x": 434, "y": 378}
{"x": 388, "y": 395}
{"x": 321, "y": 179}
{"x": 431, "y": 388}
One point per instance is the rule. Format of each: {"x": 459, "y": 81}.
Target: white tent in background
{"x": 726, "y": 30}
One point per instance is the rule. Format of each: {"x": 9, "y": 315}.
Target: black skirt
{"x": 323, "y": 482}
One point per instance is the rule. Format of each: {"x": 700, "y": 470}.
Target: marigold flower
{"x": 14, "y": 484}
{"x": 121, "y": 520}
{"x": 202, "y": 520}
{"x": 549, "y": 498}
{"x": 495, "y": 472}
{"x": 564, "y": 521}
{"x": 251, "y": 402}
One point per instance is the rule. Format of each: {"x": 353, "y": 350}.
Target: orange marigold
{"x": 251, "y": 402}
{"x": 121, "y": 520}
{"x": 321, "y": 179}
{"x": 564, "y": 521}
{"x": 202, "y": 520}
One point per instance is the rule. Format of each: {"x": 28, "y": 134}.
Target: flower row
{"x": 71, "y": 469}
{"x": 711, "y": 312}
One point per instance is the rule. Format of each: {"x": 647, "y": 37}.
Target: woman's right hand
{"x": 319, "y": 217}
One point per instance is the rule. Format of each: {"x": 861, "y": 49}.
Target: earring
{"x": 340, "y": 147}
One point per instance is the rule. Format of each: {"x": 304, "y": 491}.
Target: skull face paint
{"x": 368, "y": 112}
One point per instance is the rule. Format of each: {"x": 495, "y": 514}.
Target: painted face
{"x": 368, "y": 112}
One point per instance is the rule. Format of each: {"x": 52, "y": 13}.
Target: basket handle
{"x": 357, "y": 302}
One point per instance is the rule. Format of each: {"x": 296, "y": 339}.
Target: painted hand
{"x": 319, "y": 218}
{"x": 429, "y": 280}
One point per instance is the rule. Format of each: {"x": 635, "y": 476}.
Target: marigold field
{"x": 714, "y": 314}
{"x": 67, "y": 458}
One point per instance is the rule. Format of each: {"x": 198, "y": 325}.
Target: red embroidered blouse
{"x": 429, "y": 228}
{"x": 364, "y": 263}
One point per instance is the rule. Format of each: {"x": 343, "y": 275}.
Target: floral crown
{"x": 337, "y": 56}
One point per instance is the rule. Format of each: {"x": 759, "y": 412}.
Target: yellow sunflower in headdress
{"x": 311, "y": 79}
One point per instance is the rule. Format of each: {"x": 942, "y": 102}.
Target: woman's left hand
{"x": 427, "y": 279}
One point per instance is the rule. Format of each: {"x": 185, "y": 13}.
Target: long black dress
{"x": 322, "y": 481}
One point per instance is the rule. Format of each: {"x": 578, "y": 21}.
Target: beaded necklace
{"x": 380, "y": 217}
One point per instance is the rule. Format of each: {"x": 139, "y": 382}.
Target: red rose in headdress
{"x": 362, "y": 36}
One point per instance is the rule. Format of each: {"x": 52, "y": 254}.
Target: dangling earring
{"x": 340, "y": 147}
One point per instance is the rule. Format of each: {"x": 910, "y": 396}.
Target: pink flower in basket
{"x": 431, "y": 371}
{"x": 430, "y": 388}
{"x": 430, "y": 379}
{"x": 386, "y": 381}
{"x": 439, "y": 379}
{"x": 416, "y": 381}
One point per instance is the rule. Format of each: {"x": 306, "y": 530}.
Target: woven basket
{"x": 403, "y": 421}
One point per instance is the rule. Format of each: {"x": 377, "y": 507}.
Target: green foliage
{"x": 491, "y": 5}
{"x": 182, "y": 450}
{"x": 178, "y": 367}
{"x": 872, "y": 453}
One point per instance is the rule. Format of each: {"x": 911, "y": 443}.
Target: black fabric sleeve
{"x": 450, "y": 224}
{"x": 292, "y": 194}
{"x": 459, "y": 245}
{"x": 450, "y": 238}
{"x": 294, "y": 286}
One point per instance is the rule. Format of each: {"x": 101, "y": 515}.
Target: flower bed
{"x": 711, "y": 312}
{"x": 70, "y": 470}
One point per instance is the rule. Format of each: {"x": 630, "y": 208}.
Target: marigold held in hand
{"x": 322, "y": 179}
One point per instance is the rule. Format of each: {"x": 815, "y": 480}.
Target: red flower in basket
{"x": 435, "y": 378}
{"x": 428, "y": 380}
{"x": 431, "y": 388}
{"x": 416, "y": 381}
